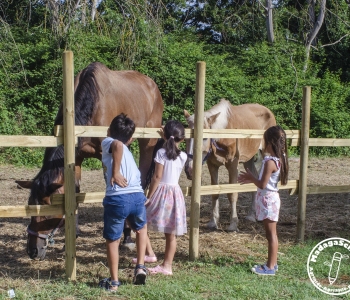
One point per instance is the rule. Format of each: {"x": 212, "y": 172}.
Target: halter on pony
{"x": 205, "y": 158}
{"x": 47, "y": 237}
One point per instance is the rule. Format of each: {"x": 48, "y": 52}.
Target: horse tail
{"x": 152, "y": 168}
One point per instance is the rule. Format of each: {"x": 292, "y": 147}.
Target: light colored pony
{"x": 229, "y": 152}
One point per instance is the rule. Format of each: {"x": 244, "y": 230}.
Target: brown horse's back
{"x": 109, "y": 93}
{"x": 128, "y": 92}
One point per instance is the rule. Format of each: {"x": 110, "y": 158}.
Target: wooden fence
{"x": 67, "y": 203}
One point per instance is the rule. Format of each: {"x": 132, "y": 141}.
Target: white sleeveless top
{"x": 275, "y": 177}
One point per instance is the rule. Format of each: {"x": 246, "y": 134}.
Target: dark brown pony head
{"x": 48, "y": 181}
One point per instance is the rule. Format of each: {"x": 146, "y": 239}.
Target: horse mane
{"x": 224, "y": 108}
{"x": 52, "y": 169}
{"x": 86, "y": 95}
{"x": 85, "y": 98}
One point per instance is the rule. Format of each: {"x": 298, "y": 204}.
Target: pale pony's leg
{"x": 214, "y": 218}
{"x": 232, "y": 168}
{"x": 251, "y": 166}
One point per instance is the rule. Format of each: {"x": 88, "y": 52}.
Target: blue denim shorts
{"x": 120, "y": 207}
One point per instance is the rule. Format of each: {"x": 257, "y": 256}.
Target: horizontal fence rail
{"x": 30, "y": 141}
{"x": 101, "y": 131}
{"x": 31, "y": 210}
{"x": 57, "y": 200}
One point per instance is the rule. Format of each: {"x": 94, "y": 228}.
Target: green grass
{"x": 218, "y": 278}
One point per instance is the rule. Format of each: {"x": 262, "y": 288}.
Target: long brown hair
{"x": 276, "y": 137}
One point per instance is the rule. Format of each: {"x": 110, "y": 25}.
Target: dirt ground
{"x": 327, "y": 216}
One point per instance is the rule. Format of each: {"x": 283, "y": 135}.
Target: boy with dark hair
{"x": 124, "y": 199}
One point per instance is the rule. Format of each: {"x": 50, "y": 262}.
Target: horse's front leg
{"x": 251, "y": 166}
{"x": 215, "y": 214}
{"x": 232, "y": 168}
{"x": 146, "y": 147}
{"x": 78, "y": 162}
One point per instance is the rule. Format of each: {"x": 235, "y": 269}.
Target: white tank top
{"x": 275, "y": 177}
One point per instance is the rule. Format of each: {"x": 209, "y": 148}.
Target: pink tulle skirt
{"x": 166, "y": 211}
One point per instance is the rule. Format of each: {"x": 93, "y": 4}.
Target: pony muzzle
{"x": 37, "y": 249}
{"x": 189, "y": 169}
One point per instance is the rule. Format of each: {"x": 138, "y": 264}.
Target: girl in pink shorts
{"x": 267, "y": 202}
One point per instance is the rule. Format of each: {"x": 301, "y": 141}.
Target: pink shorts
{"x": 267, "y": 205}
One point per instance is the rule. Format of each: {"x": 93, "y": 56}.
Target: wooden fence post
{"x": 304, "y": 158}
{"x": 197, "y": 160}
{"x": 69, "y": 164}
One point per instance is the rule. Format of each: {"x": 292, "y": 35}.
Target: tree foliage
{"x": 165, "y": 39}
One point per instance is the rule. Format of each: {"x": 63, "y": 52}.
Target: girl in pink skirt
{"x": 165, "y": 207}
{"x": 267, "y": 202}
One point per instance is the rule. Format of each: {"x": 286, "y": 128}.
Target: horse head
{"x": 208, "y": 121}
{"x": 48, "y": 181}
{"x": 41, "y": 228}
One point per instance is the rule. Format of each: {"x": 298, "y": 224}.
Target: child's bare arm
{"x": 117, "y": 154}
{"x": 248, "y": 177}
{"x": 157, "y": 176}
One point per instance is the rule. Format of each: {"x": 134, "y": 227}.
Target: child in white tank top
{"x": 267, "y": 202}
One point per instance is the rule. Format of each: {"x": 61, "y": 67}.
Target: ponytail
{"x": 174, "y": 132}
{"x": 284, "y": 157}
{"x": 172, "y": 152}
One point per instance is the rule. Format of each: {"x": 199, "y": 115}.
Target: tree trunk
{"x": 269, "y": 22}
{"x": 313, "y": 34}
{"x": 93, "y": 10}
{"x": 54, "y": 9}
{"x": 312, "y": 17}
{"x": 83, "y": 12}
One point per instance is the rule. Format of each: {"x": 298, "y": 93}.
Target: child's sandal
{"x": 140, "y": 275}
{"x": 109, "y": 285}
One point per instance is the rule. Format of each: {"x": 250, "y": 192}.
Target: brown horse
{"x": 229, "y": 152}
{"x": 100, "y": 95}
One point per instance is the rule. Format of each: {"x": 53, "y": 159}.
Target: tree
{"x": 269, "y": 22}
{"x": 316, "y": 26}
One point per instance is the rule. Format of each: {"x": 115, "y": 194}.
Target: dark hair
{"x": 174, "y": 132}
{"x": 122, "y": 128}
{"x": 276, "y": 137}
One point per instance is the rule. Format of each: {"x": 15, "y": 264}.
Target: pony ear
{"x": 212, "y": 119}
{"x": 187, "y": 115}
{"x": 26, "y": 184}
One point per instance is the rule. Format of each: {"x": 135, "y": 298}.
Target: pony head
{"x": 48, "y": 181}
{"x": 208, "y": 122}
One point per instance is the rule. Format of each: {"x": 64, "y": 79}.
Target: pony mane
{"x": 224, "y": 108}
{"x": 85, "y": 98}
{"x": 86, "y": 95}
{"x": 52, "y": 169}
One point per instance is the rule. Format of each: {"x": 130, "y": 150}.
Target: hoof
{"x": 232, "y": 227}
{"x": 63, "y": 249}
{"x": 250, "y": 218}
{"x": 128, "y": 246}
{"x": 211, "y": 225}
